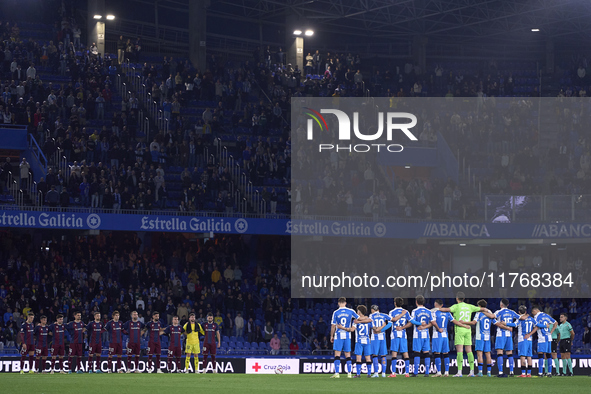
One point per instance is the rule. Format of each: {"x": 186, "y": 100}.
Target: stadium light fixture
{"x": 297, "y": 32}
{"x": 535, "y": 29}
{"x": 309, "y": 33}
{"x": 110, "y": 17}
{"x": 97, "y": 17}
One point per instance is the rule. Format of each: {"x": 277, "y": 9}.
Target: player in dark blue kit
{"x": 27, "y": 336}
{"x": 154, "y": 329}
{"x": 115, "y": 330}
{"x": 76, "y": 329}
{"x": 133, "y": 328}
{"x": 57, "y": 331}
{"x": 41, "y": 348}
{"x": 94, "y": 329}
{"x": 175, "y": 349}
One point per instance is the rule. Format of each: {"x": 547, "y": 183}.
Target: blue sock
{"x": 349, "y": 366}
{"x": 480, "y": 365}
{"x": 446, "y": 362}
{"x": 511, "y": 363}
{"x": 529, "y": 371}
{"x": 541, "y": 365}
{"x": 406, "y": 365}
{"x": 375, "y": 364}
{"x": 427, "y": 365}
{"x": 416, "y": 365}
{"x": 438, "y": 364}
{"x": 358, "y": 368}
{"x": 384, "y": 364}
{"x": 550, "y": 366}
{"x": 500, "y": 364}
{"x": 394, "y": 361}
{"x": 368, "y": 366}
{"x": 337, "y": 365}
{"x": 488, "y": 368}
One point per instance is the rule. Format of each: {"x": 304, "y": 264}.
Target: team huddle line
{"x": 35, "y": 339}
{"x": 370, "y": 338}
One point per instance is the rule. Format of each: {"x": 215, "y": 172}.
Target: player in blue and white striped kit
{"x": 378, "y": 339}
{"x": 484, "y": 321}
{"x": 504, "y": 340}
{"x": 341, "y": 339}
{"x": 363, "y": 345}
{"x": 440, "y": 343}
{"x": 399, "y": 342}
{"x": 421, "y": 318}
{"x": 526, "y": 327}
{"x": 544, "y": 322}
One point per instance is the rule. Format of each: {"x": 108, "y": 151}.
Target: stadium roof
{"x": 465, "y": 19}
{"x": 472, "y": 23}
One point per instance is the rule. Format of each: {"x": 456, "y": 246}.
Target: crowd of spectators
{"x": 121, "y": 272}
{"x": 254, "y": 95}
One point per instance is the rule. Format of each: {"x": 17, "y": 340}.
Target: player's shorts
{"x": 554, "y": 345}
{"x": 504, "y": 343}
{"x": 342, "y": 345}
{"x": 524, "y": 349}
{"x": 440, "y": 345}
{"x": 420, "y": 345}
{"x": 378, "y": 347}
{"x": 209, "y": 349}
{"x": 30, "y": 348}
{"x": 76, "y": 349}
{"x": 154, "y": 348}
{"x": 399, "y": 345}
{"x": 192, "y": 349}
{"x": 42, "y": 351}
{"x": 565, "y": 346}
{"x": 362, "y": 349}
{"x": 463, "y": 338}
{"x": 133, "y": 349}
{"x": 115, "y": 349}
{"x": 58, "y": 350}
{"x": 482, "y": 346}
{"x": 95, "y": 348}
{"x": 547, "y": 347}
{"x": 175, "y": 351}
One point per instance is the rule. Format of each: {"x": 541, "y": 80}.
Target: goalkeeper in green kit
{"x": 463, "y": 336}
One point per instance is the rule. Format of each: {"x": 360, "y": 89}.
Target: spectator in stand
{"x": 239, "y": 324}
{"x": 25, "y": 169}
{"x": 294, "y": 347}
{"x": 275, "y": 345}
{"x": 269, "y": 331}
{"x": 53, "y": 197}
{"x": 284, "y": 344}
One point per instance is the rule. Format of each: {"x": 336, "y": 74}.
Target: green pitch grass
{"x": 180, "y": 383}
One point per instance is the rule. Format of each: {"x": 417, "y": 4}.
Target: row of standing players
{"x": 35, "y": 339}
{"x": 370, "y": 340}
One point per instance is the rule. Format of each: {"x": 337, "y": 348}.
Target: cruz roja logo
{"x": 344, "y": 133}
